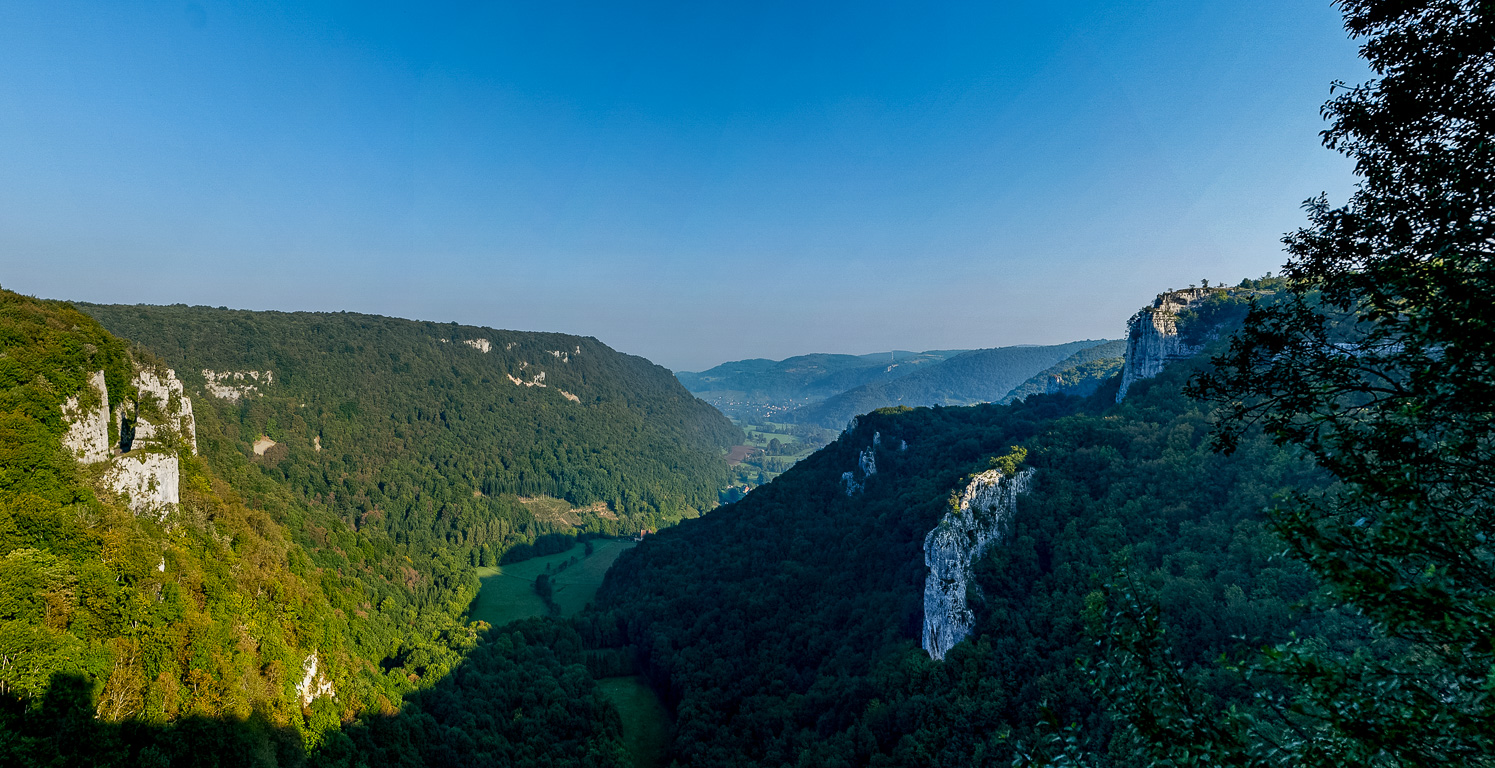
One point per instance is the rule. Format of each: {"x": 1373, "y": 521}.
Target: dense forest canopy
{"x": 194, "y": 636}
{"x": 430, "y": 430}
{"x": 211, "y": 611}
{"x": 785, "y": 627}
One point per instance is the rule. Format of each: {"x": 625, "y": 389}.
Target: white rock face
{"x": 963, "y": 535}
{"x": 1152, "y": 339}
{"x": 151, "y": 480}
{"x": 481, "y": 345}
{"x": 232, "y": 385}
{"x": 165, "y": 396}
{"x": 569, "y": 396}
{"x": 866, "y": 462}
{"x": 848, "y": 479}
{"x": 538, "y": 380}
{"x": 313, "y": 683}
{"x": 87, "y": 436}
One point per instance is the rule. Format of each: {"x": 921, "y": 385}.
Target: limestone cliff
{"x": 87, "y": 417}
{"x": 963, "y": 535}
{"x": 1153, "y": 340}
{"x": 161, "y": 414}
{"x": 866, "y": 462}
{"x": 151, "y": 481}
{"x": 234, "y": 385}
{"x": 158, "y": 420}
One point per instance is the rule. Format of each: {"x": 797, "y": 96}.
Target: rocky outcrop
{"x": 538, "y": 380}
{"x": 1153, "y": 341}
{"x": 144, "y": 465}
{"x": 313, "y": 682}
{"x": 481, "y": 345}
{"x": 962, "y": 537}
{"x": 866, "y": 462}
{"x": 152, "y": 481}
{"x": 233, "y": 385}
{"x": 161, "y": 414}
{"x": 87, "y": 417}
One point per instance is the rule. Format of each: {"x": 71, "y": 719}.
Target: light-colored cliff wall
{"x": 160, "y": 418}
{"x": 963, "y": 535}
{"x": 232, "y": 385}
{"x": 151, "y": 480}
{"x": 87, "y": 436}
{"x": 313, "y": 682}
{"x": 1152, "y": 339}
{"x": 162, "y": 412}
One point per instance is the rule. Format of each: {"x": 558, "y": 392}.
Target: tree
{"x": 1379, "y": 362}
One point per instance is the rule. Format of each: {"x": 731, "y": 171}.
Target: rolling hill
{"x": 760, "y": 389}
{"x": 977, "y": 376}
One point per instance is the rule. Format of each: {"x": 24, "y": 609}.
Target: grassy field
{"x": 646, "y": 723}
{"x": 508, "y": 592}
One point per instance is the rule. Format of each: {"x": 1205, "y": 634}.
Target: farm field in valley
{"x": 508, "y": 592}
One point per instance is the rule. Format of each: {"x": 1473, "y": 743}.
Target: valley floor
{"x": 508, "y": 593}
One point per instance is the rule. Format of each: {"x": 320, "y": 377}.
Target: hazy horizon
{"x": 693, "y": 185}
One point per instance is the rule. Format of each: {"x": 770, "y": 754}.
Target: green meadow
{"x": 646, "y": 723}
{"x": 508, "y": 592}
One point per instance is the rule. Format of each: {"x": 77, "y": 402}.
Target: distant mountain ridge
{"x": 977, "y": 376}
{"x": 811, "y": 375}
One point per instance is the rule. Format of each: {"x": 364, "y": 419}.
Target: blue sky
{"x": 692, "y": 182}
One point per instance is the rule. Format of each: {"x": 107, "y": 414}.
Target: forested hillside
{"x": 242, "y": 623}
{"x": 1079, "y": 374}
{"x": 430, "y": 432}
{"x": 786, "y": 627}
{"x": 978, "y": 376}
{"x": 237, "y": 624}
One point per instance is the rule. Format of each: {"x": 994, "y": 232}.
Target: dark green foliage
{"x": 545, "y": 544}
{"x": 982, "y": 375}
{"x": 1380, "y": 363}
{"x": 1079, "y": 374}
{"x": 523, "y": 698}
{"x": 785, "y": 628}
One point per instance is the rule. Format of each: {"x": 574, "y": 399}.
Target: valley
{"x": 1245, "y": 523}
{"x": 790, "y": 408}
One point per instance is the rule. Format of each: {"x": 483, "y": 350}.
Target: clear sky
{"x": 692, "y": 182}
